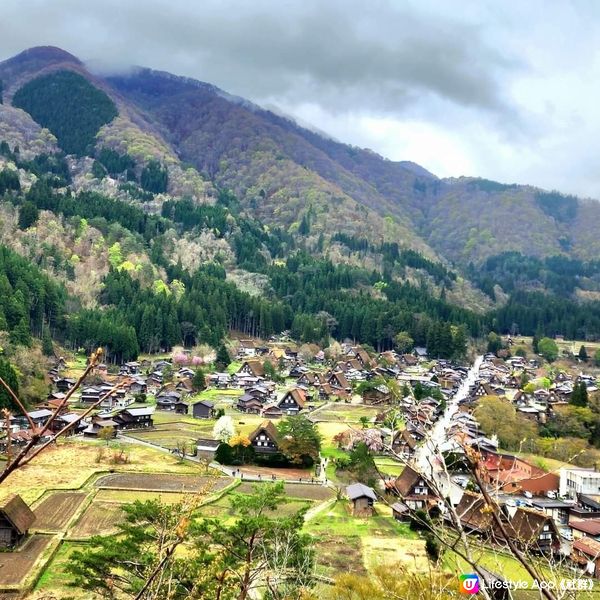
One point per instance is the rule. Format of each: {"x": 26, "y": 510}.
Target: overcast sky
{"x": 504, "y": 90}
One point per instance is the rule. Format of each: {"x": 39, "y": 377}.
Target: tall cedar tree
{"x": 223, "y": 359}
{"x": 199, "y": 380}
{"x": 10, "y": 377}
{"x": 47, "y": 347}
{"x": 579, "y": 395}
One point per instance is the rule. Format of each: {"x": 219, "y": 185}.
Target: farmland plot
{"x": 162, "y": 482}
{"x": 100, "y": 518}
{"x": 55, "y": 511}
{"x": 15, "y": 566}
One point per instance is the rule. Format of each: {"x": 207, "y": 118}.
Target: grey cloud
{"x": 337, "y": 54}
{"x": 512, "y": 84}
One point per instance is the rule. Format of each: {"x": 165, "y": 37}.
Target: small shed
{"x": 206, "y": 448}
{"x": 15, "y": 520}
{"x": 401, "y": 512}
{"x": 203, "y": 409}
{"x": 362, "y": 498}
{"x": 180, "y": 408}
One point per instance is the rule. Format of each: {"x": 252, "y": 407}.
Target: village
{"x": 414, "y": 415}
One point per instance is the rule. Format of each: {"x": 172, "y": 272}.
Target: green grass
{"x": 234, "y": 367}
{"x": 333, "y": 452}
{"x": 346, "y": 413}
{"x": 222, "y": 509}
{"x": 509, "y": 568}
{"x": 55, "y": 578}
{"x": 337, "y": 521}
{"x": 329, "y": 430}
{"x": 219, "y": 395}
{"x": 389, "y": 466}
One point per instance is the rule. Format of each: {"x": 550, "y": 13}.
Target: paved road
{"x": 428, "y": 458}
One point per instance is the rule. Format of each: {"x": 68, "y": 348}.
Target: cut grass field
{"x": 351, "y": 544}
{"x": 389, "y": 466}
{"x": 167, "y": 418}
{"x": 337, "y": 520}
{"x": 347, "y": 413}
{"x": 221, "y": 508}
{"x": 512, "y": 570}
{"x": 172, "y": 435}
{"x": 71, "y": 463}
{"x": 329, "y": 430}
{"x": 339, "y": 554}
{"x": 55, "y": 580}
{"x": 55, "y": 511}
{"x": 379, "y": 550}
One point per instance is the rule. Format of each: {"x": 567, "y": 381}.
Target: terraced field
{"x": 100, "y": 518}
{"x": 55, "y": 511}
{"x": 162, "y": 482}
{"x": 15, "y": 566}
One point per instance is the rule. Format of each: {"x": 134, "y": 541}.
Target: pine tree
{"x": 199, "y": 380}
{"x": 47, "y": 347}
{"x": 583, "y": 355}
{"x": 223, "y": 359}
{"x": 28, "y": 215}
{"x": 579, "y": 395}
{"x": 536, "y": 340}
{"x": 20, "y": 334}
{"x": 10, "y": 378}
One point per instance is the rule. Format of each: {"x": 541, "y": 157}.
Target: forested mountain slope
{"x": 167, "y": 211}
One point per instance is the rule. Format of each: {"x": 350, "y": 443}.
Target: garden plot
{"x": 162, "y": 482}
{"x": 15, "y": 566}
{"x": 127, "y": 496}
{"x": 100, "y": 518}
{"x": 55, "y": 511}
{"x": 294, "y": 490}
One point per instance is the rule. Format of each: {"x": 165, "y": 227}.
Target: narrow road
{"x": 226, "y": 470}
{"x": 428, "y": 459}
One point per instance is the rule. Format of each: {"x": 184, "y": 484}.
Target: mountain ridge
{"x": 316, "y": 189}
{"x": 242, "y": 146}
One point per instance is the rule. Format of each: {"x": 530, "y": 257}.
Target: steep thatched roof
{"x": 18, "y": 514}
{"x": 269, "y": 429}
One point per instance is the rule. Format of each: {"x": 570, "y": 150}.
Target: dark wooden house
{"x": 292, "y": 402}
{"x": 414, "y": 490}
{"x": 15, "y": 520}
{"x": 135, "y": 418}
{"x": 203, "y": 409}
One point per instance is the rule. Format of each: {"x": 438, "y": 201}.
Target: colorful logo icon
{"x": 469, "y": 583}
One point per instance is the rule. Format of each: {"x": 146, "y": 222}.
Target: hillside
{"x": 270, "y": 166}
{"x": 149, "y": 193}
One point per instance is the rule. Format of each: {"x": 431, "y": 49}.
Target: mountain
{"x": 281, "y": 171}
{"x": 145, "y": 179}
{"x": 249, "y": 149}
